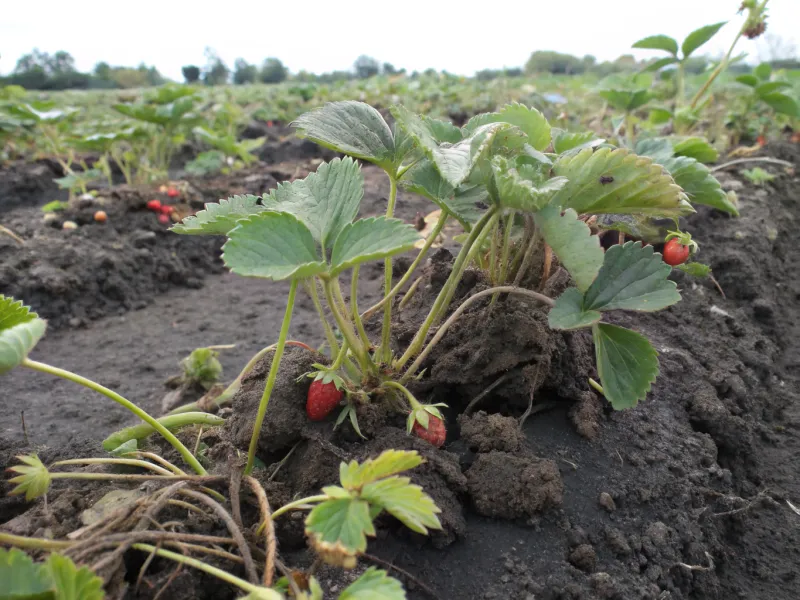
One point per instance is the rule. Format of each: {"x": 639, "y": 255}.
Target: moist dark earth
{"x": 686, "y": 496}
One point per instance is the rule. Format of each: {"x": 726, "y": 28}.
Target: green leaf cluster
{"x": 769, "y": 92}
{"x": 20, "y": 330}
{"x": 58, "y": 578}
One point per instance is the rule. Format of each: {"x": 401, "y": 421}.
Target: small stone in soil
{"x": 607, "y": 502}
{"x": 583, "y": 557}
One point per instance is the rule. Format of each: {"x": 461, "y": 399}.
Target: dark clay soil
{"x": 685, "y": 496}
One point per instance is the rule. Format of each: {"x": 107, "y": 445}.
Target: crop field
{"x": 519, "y": 336}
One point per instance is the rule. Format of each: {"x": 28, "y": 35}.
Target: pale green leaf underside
{"x": 371, "y": 239}
{"x": 568, "y": 313}
{"x": 424, "y": 179}
{"x": 374, "y": 584}
{"x": 658, "y": 42}
{"x": 21, "y": 578}
{"x": 699, "y": 37}
{"x": 343, "y": 522}
{"x": 699, "y": 183}
{"x": 515, "y": 191}
{"x": 17, "y": 341}
{"x": 617, "y": 181}
{"x": 626, "y": 362}
{"x": 571, "y": 240}
{"x": 633, "y": 277}
{"x": 571, "y": 140}
{"x": 71, "y": 582}
{"x": 529, "y": 120}
{"x": 350, "y": 127}
{"x": 353, "y": 475}
{"x": 408, "y": 503}
{"x": 272, "y": 245}
{"x": 219, "y": 218}
{"x": 697, "y": 148}
{"x": 13, "y": 312}
{"x": 325, "y": 201}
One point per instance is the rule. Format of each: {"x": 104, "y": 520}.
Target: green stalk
{"x": 493, "y": 254}
{"x": 126, "y": 462}
{"x": 630, "y": 137}
{"x": 681, "y": 75}
{"x": 506, "y": 248}
{"x": 29, "y": 543}
{"x": 260, "y": 592}
{"x": 354, "y": 307}
{"x": 346, "y": 328}
{"x": 298, "y": 504}
{"x": 413, "y": 402}
{"x": 422, "y": 253}
{"x": 271, "y": 377}
{"x": 143, "y": 430}
{"x": 384, "y": 353}
{"x": 166, "y": 433}
{"x": 465, "y": 256}
{"x": 329, "y": 335}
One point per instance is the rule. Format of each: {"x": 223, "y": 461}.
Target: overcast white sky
{"x": 324, "y": 35}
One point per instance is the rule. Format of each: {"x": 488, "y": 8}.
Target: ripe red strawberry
{"x": 172, "y": 192}
{"x": 154, "y": 205}
{"x": 167, "y": 209}
{"x": 322, "y": 399}
{"x": 163, "y": 219}
{"x": 436, "y": 432}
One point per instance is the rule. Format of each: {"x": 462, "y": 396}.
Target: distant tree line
{"x": 42, "y": 71}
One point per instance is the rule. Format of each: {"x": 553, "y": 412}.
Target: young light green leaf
{"x": 657, "y": 148}
{"x": 272, "y": 245}
{"x": 424, "y": 179}
{"x": 626, "y": 362}
{"x": 370, "y": 239}
{"x": 515, "y": 190}
{"x": 658, "y": 42}
{"x": 659, "y": 116}
{"x": 530, "y": 121}
{"x": 763, "y": 71}
{"x": 626, "y": 100}
{"x": 570, "y": 140}
{"x": 786, "y": 105}
{"x": 353, "y": 475}
{"x": 698, "y": 183}
{"x": 747, "y": 79}
{"x": 443, "y": 131}
{"x": 659, "y": 64}
{"x": 218, "y": 218}
{"x": 352, "y": 128}
{"x": 573, "y": 243}
{"x": 617, "y": 181}
{"x": 568, "y": 313}
{"x": 33, "y": 479}
{"x": 633, "y": 277}
{"x": 699, "y": 37}
{"x": 22, "y": 579}
{"x": 71, "y": 582}
{"x": 697, "y": 148}
{"x": 772, "y": 86}
{"x": 340, "y": 525}
{"x": 695, "y": 269}
{"x": 374, "y": 584}
{"x": 20, "y": 331}
{"x": 406, "y": 502}
{"x": 325, "y": 201}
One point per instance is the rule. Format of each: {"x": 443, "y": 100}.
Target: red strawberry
{"x": 322, "y": 399}
{"x": 154, "y": 205}
{"x": 166, "y": 209}
{"x": 163, "y": 219}
{"x": 172, "y": 192}
{"x": 435, "y": 433}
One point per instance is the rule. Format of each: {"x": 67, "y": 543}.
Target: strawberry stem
{"x": 271, "y": 377}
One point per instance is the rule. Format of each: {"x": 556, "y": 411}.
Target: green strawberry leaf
{"x": 408, "y": 503}
{"x": 33, "y": 479}
{"x": 626, "y": 362}
{"x": 325, "y": 201}
{"x": 22, "y": 579}
{"x": 786, "y": 105}
{"x": 71, "y": 582}
{"x": 698, "y": 183}
{"x": 370, "y": 239}
{"x": 568, "y": 313}
{"x": 699, "y": 37}
{"x": 340, "y": 524}
{"x": 352, "y": 128}
{"x": 272, "y": 245}
{"x": 516, "y": 187}
{"x": 573, "y": 243}
{"x": 443, "y": 131}
{"x": 219, "y": 218}
{"x": 424, "y": 179}
{"x": 374, "y": 584}
{"x": 633, "y": 277}
{"x": 619, "y": 182}
{"x": 637, "y": 226}
{"x": 570, "y": 140}
{"x": 763, "y": 71}
{"x": 747, "y": 79}
{"x": 529, "y": 120}
{"x": 772, "y": 86}
{"x": 697, "y": 148}
{"x": 353, "y": 475}
{"x": 658, "y": 148}
{"x": 695, "y": 269}
{"x": 626, "y": 100}
{"x": 20, "y": 331}
{"x": 658, "y": 42}
{"x": 659, "y": 64}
